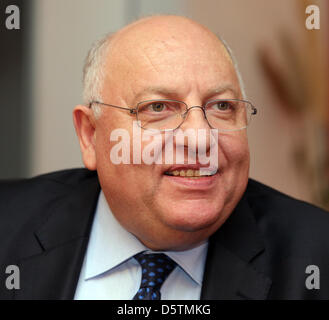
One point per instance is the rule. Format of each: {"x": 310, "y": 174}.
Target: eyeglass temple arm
{"x": 133, "y": 111}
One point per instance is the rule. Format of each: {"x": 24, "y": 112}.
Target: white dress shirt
{"x": 110, "y": 272}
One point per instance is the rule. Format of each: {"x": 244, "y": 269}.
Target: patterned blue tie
{"x": 156, "y": 267}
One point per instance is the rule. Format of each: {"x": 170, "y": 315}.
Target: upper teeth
{"x": 191, "y": 172}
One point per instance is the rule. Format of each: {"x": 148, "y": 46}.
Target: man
{"x": 158, "y": 229}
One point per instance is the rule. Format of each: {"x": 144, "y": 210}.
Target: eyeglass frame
{"x": 135, "y": 111}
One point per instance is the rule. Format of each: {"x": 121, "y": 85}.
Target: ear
{"x": 84, "y": 123}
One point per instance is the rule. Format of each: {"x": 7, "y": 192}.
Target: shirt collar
{"x": 107, "y": 235}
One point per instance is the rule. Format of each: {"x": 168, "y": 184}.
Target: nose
{"x": 195, "y": 121}
{"x": 195, "y": 118}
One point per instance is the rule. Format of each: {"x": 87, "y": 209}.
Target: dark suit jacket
{"x": 261, "y": 252}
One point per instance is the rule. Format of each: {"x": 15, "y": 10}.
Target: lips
{"x": 191, "y": 184}
{"x": 191, "y": 171}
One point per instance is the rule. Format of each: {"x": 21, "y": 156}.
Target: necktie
{"x": 156, "y": 267}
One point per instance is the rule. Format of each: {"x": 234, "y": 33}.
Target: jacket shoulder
{"x": 265, "y": 196}
{"x": 296, "y": 226}
{"x": 25, "y": 202}
{"x": 69, "y": 177}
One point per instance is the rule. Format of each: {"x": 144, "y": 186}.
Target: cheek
{"x": 234, "y": 148}
{"x": 112, "y": 138}
{"x": 129, "y": 179}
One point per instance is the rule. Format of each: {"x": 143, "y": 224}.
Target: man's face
{"x": 186, "y": 63}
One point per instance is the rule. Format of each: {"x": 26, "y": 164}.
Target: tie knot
{"x": 156, "y": 267}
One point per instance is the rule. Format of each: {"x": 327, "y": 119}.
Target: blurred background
{"x": 284, "y": 66}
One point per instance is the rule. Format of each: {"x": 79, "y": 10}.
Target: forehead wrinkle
{"x": 149, "y": 60}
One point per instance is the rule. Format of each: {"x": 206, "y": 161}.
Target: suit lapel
{"x": 229, "y": 272}
{"x": 53, "y": 272}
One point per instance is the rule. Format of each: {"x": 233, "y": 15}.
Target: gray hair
{"x": 93, "y": 71}
{"x": 236, "y": 67}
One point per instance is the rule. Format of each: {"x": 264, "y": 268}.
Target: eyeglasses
{"x": 165, "y": 114}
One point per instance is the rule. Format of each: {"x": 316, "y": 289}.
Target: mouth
{"x": 191, "y": 173}
{"x": 192, "y": 177}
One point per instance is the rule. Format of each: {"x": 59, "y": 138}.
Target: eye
{"x": 222, "y": 105}
{"x": 157, "y": 106}
{"x": 160, "y": 108}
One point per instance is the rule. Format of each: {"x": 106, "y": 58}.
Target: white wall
{"x": 63, "y": 33}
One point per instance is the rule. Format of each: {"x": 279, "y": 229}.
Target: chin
{"x": 192, "y": 215}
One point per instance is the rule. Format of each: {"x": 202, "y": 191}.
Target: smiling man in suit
{"x": 161, "y": 230}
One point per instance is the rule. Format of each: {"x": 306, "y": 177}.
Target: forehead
{"x": 176, "y": 57}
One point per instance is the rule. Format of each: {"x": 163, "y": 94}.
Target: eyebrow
{"x": 157, "y": 90}
{"x": 167, "y": 92}
{"x": 222, "y": 89}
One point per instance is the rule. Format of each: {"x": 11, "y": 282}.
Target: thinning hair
{"x": 94, "y": 70}
{"x": 235, "y": 65}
